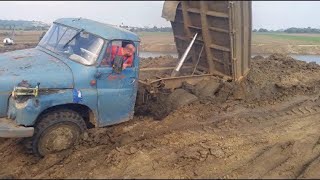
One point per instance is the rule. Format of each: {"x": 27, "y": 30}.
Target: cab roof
{"x": 105, "y": 31}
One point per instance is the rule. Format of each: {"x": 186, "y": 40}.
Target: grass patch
{"x": 308, "y": 38}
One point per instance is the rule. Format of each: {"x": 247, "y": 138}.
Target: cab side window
{"x": 122, "y": 49}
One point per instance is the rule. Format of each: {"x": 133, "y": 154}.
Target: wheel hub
{"x": 58, "y": 139}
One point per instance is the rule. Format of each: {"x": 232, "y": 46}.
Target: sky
{"x": 285, "y": 14}
{"x": 265, "y": 14}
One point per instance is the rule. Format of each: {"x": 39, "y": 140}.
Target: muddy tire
{"x": 56, "y": 131}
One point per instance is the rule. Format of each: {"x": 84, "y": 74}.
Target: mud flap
{"x": 8, "y": 129}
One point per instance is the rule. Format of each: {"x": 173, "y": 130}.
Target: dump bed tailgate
{"x": 224, "y": 33}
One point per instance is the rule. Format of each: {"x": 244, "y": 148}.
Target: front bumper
{"x": 9, "y": 129}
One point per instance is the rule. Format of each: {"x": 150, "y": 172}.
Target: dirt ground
{"x": 289, "y": 48}
{"x": 157, "y": 42}
{"x": 22, "y": 39}
{"x": 161, "y": 61}
{"x": 267, "y": 127}
{"x": 269, "y": 43}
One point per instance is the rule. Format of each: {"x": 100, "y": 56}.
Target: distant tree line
{"x": 40, "y": 26}
{"x": 147, "y": 29}
{"x": 22, "y": 25}
{"x": 290, "y": 30}
{"x": 302, "y": 30}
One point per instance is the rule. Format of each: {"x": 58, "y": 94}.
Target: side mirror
{"x": 117, "y": 64}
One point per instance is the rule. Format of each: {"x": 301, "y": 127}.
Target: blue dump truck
{"x": 50, "y": 94}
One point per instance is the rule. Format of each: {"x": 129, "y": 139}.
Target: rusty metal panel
{"x": 241, "y": 24}
{"x": 169, "y": 10}
{"x": 224, "y": 29}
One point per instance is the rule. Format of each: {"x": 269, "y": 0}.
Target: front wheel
{"x": 57, "y": 131}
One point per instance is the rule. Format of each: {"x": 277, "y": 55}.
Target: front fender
{"x": 26, "y": 113}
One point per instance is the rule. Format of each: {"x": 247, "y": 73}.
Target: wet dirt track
{"x": 271, "y": 131}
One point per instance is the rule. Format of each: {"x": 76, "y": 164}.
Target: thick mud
{"x": 280, "y": 77}
{"x": 267, "y": 127}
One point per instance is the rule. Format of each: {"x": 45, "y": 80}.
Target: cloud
{"x": 140, "y": 13}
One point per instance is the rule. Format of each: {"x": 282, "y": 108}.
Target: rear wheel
{"x": 56, "y": 131}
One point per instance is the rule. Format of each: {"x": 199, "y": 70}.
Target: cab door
{"x": 117, "y": 92}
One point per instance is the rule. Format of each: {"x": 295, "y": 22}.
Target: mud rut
{"x": 202, "y": 140}
{"x": 249, "y": 144}
{"x": 282, "y": 144}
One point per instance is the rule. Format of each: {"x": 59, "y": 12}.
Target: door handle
{"x": 132, "y": 81}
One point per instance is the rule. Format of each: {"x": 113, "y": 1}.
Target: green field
{"x": 285, "y": 38}
{"x": 257, "y": 38}
{"x": 261, "y": 42}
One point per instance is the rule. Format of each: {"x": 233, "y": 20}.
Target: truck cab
{"x": 52, "y": 93}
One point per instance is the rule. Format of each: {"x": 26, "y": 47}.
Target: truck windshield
{"x": 75, "y": 44}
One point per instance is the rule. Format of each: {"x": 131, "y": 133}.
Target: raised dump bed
{"x": 222, "y": 47}
{"x": 223, "y": 44}
{"x": 224, "y": 33}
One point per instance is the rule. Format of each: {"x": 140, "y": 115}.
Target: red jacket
{"x": 127, "y": 60}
